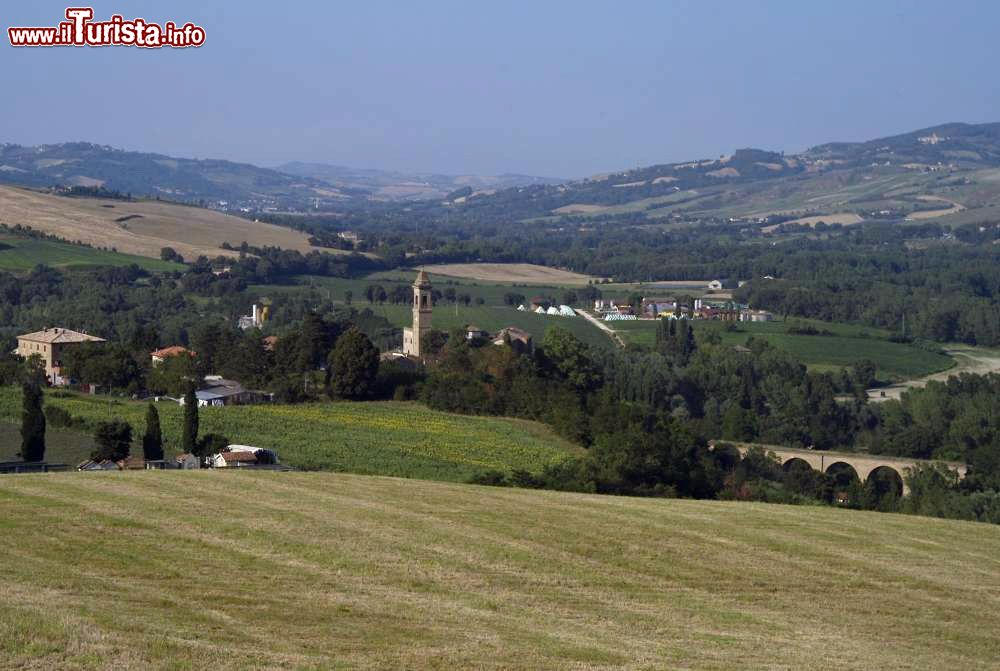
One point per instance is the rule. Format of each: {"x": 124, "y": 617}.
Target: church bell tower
{"x": 422, "y": 309}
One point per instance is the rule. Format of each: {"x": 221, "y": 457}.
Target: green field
{"x": 494, "y": 318}
{"x": 493, "y": 315}
{"x": 21, "y": 254}
{"x": 236, "y": 570}
{"x": 848, "y": 344}
{"x": 384, "y": 438}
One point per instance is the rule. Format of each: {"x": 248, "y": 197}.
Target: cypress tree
{"x": 189, "y": 439}
{"x": 32, "y": 422}
{"x": 152, "y": 440}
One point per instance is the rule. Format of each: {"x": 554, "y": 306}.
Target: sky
{"x": 561, "y": 89}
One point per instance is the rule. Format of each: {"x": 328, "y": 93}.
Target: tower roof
{"x": 421, "y": 280}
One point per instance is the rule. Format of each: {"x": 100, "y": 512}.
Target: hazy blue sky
{"x": 549, "y": 88}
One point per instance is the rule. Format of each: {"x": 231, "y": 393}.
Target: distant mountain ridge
{"x": 395, "y": 185}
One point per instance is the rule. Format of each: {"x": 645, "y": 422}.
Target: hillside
{"x": 387, "y": 438}
{"x": 19, "y": 254}
{"x": 403, "y": 186}
{"x": 294, "y": 570}
{"x": 224, "y": 184}
{"x": 948, "y": 174}
{"x": 140, "y": 227}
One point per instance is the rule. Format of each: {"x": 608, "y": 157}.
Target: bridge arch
{"x": 843, "y": 472}
{"x": 886, "y": 479}
{"x": 795, "y": 463}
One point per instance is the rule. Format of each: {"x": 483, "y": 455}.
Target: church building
{"x": 422, "y": 307}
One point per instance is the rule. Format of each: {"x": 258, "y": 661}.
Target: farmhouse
{"x": 243, "y": 456}
{"x": 50, "y": 344}
{"x": 518, "y": 338}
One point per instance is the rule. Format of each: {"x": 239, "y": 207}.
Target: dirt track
{"x": 968, "y": 360}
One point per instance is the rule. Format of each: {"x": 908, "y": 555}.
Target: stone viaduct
{"x": 863, "y": 464}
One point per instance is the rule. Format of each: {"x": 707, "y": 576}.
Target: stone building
{"x": 50, "y": 344}
{"x": 422, "y": 309}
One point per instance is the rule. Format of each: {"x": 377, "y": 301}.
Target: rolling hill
{"x": 140, "y": 227}
{"x": 223, "y": 184}
{"x": 234, "y": 570}
{"x": 949, "y": 174}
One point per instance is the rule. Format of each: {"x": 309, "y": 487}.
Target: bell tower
{"x": 422, "y": 310}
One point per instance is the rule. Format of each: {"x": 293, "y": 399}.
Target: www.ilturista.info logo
{"x": 81, "y": 31}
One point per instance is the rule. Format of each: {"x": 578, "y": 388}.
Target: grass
{"x": 235, "y": 570}
{"x": 61, "y": 446}
{"x": 846, "y": 345}
{"x": 384, "y": 438}
{"x": 22, "y": 254}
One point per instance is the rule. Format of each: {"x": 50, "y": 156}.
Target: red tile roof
{"x": 173, "y": 350}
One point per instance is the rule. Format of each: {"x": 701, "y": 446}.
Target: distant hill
{"x": 391, "y": 185}
{"x": 216, "y": 183}
{"x": 141, "y": 227}
{"x": 959, "y": 144}
{"x": 947, "y": 173}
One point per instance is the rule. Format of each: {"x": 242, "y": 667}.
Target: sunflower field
{"x": 380, "y": 438}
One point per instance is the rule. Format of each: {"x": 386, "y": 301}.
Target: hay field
{"x": 231, "y": 570}
{"x": 142, "y": 227}
{"x": 509, "y": 273}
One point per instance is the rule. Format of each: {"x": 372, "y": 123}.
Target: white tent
{"x": 540, "y": 310}
{"x": 553, "y": 310}
{"x": 521, "y": 308}
{"x": 567, "y": 311}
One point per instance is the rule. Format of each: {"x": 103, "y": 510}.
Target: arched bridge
{"x": 863, "y": 464}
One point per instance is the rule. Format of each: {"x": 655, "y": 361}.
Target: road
{"x": 969, "y": 360}
{"x": 601, "y": 325}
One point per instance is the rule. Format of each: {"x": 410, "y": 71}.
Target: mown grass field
{"x": 846, "y": 345}
{"x": 22, "y": 254}
{"x": 383, "y": 438}
{"x": 236, "y": 570}
{"x": 141, "y": 227}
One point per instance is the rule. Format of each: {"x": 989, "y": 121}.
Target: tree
{"x": 353, "y": 366}
{"x": 211, "y": 443}
{"x": 152, "y": 439}
{"x": 112, "y": 440}
{"x": 571, "y": 359}
{"x": 32, "y": 422}
{"x": 189, "y": 437}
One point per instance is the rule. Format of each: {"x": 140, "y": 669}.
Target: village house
{"x": 243, "y": 456}
{"x": 161, "y": 355}
{"x": 51, "y": 344}
{"x": 518, "y": 338}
